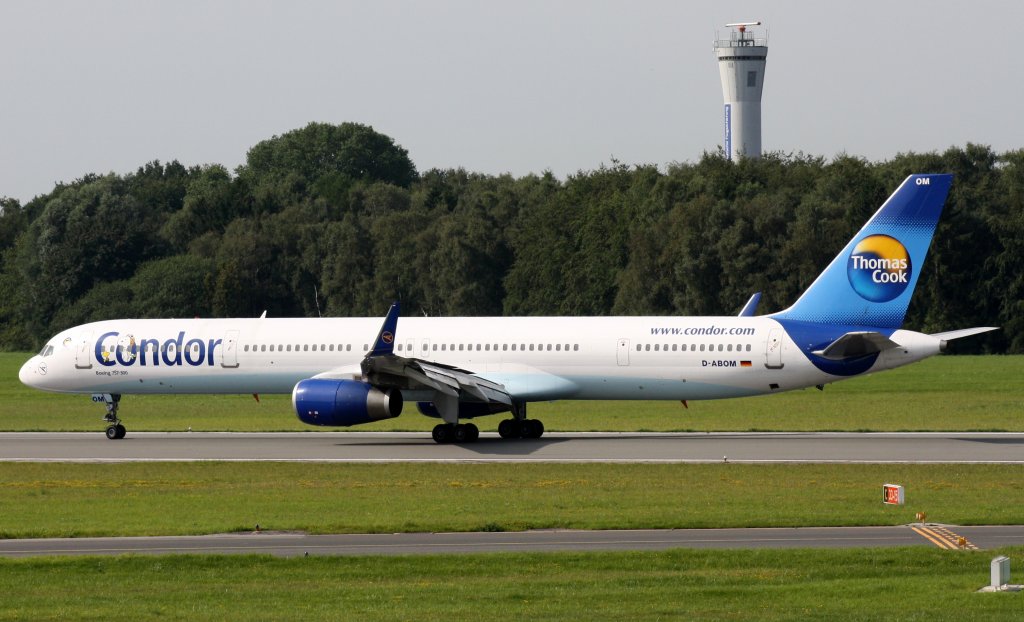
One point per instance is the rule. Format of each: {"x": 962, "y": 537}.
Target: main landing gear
{"x": 115, "y": 430}
{"x": 455, "y": 433}
{"x": 517, "y": 427}
{"x": 525, "y": 428}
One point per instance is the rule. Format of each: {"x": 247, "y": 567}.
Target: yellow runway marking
{"x": 957, "y": 540}
{"x": 944, "y": 538}
{"x": 931, "y": 536}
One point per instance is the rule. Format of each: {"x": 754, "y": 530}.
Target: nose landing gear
{"x": 112, "y": 400}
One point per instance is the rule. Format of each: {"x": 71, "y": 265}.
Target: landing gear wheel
{"x": 532, "y": 428}
{"x": 508, "y": 428}
{"x": 472, "y": 433}
{"x": 443, "y": 433}
{"x": 112, "y": 400}
{"x": 461, "y": 435}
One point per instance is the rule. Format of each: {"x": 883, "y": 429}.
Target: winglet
{"x": 751, "y": 307}
{"x": 385, "y": 342}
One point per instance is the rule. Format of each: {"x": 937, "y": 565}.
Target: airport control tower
{"x": 741, "y": 59}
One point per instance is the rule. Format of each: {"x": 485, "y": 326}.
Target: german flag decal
{"x": 745, "y": 364}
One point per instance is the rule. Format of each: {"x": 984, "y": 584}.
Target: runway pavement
{"x": 289, "y": 545}
{"x": 951, "y": 447}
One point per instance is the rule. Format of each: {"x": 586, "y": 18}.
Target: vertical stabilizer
{"x": 871, "y": 281}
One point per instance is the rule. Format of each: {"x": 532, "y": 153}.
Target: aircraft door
{"x": 773, "y": 349}
{"x": 622, "y": 352}
{"x": 83, "y": 354}
{"x": 229, "y": 349}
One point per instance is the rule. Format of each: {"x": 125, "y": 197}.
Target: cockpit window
{"x": 46, "y": 351}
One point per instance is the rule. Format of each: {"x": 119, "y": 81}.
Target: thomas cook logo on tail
{"x": 879, "y": 268}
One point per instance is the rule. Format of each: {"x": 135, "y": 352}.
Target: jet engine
{"x": 322, "y": 401}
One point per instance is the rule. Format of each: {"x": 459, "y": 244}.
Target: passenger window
{"x": 702, "y": 347}
{"x": 638, "y": 347}
{"x": 513, "y": 347}
{"x": 263, "y": 348}
{"x": 656, "y": 346}
{"x": 549, "y": 347}
{"x": 748, "y": 347}
{"x": 576, "y": 348}
{"x": 435, "y": 347}
{"x": 486, "y": 347}
{"x": 399, "y": 347}
{"x": 246, "y": 348}
{"x": 348, "y": 347}
{"x": 531, "y": 347}
{"x": 683, "y": 347}
{"x": 720, "y": 347}
{"x": 558, "y": 347}
{"x": 647, "y": 347}
{"x": 729, "y": 348}
{"x": 504, "y": 347}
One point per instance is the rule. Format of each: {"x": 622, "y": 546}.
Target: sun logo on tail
{"x": 879, "y": 268}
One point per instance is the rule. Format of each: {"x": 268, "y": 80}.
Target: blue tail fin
{"x": 871, "y": 281}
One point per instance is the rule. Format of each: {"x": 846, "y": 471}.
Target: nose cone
{"x": 28, "y": 374}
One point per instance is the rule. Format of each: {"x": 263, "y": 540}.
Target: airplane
{"x": 846, "y": 324}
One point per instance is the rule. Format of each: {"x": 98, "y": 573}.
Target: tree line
{"x": 335, "y": 220}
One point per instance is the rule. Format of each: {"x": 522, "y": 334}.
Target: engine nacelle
{"x": 467, "y": 410}
{"x": 321, "y": 401}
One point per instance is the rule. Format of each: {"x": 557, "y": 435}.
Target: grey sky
{"x": 515, "y": 87}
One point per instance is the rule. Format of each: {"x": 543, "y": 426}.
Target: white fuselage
{"x": 535, "y": 358}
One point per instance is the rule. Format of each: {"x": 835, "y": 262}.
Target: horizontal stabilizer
{"x": 751, "y": 307}
{"x": 963, "y": 332}
{"x": 856, "y": 345}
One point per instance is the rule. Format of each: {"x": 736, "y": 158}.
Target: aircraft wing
{"x": 382, "y": 368}
{"x": 417, "y": 374}
{"x": 855, "y": 345}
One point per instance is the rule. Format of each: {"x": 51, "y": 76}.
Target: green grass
{"x": 55, "y": 499}
{"x": 982, "y": 393}
{"x": 915, "y": 583}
